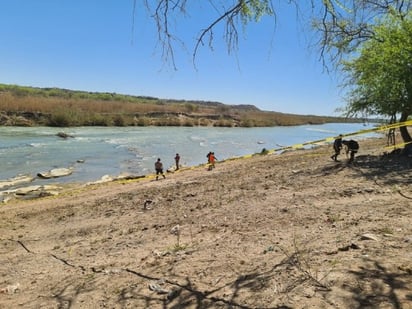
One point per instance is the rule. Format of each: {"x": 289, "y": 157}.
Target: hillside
{"x": 31, "y": 106}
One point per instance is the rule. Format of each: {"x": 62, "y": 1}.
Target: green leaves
{"x": 381, "y": 75}
{"x": 253, "y": 10}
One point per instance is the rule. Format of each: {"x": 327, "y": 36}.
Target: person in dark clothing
{"x": 177, "y": 161}
{"x": 352, "y": 147}
{"x": 159, "y": 169}
{"x": 208, "y": 156}
{"x": 391, "y": 137}
{"x": 337, "y": 146}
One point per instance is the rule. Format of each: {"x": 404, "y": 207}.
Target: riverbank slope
{"x": 295, "y": 230}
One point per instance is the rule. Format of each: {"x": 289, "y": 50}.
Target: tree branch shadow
{"x": 387, "y": 169}
{"x": 375, "y": 285}
{"x": 186, "y": 294}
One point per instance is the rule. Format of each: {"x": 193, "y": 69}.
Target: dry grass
{"x": 60, "y": 107}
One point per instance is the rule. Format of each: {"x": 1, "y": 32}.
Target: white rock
{"x": 369, "y": 236}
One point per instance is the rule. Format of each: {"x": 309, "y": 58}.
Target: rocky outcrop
{"x": 22, "y": 119}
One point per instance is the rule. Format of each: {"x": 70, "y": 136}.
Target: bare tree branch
{"x": 231, "y": 30}
{"x": 342, "y": 25}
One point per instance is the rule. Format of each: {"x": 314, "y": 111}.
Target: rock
{"x": 369, "y": 237}
{"x": 126, "y": 176}
{"x": 408, "y": 239}
{"x": 56, "y": 172}
{"x": 351, "y": 246}
{"x": 173, "y": 294}
{"x": 175, "y": 230}
{"x": 15, "y": 181}
{"x": 27, "y": 190}
{"x": 406, "y": 268}
{"x": 147, "y": 203}
{"x": 355, "y": 246}
{"x": 157, "y": 288}
{"x": 11, "y": 289}
{"x": 37, "y": 191}
{"x": 64, "y": 135}
{"x": 4, "y": 197}
{"x": 108, "y": 178}
{"x": 103, "y": 179}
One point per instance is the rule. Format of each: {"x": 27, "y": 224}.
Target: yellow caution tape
{"x": 320, "y": 141}
{"x": 400, "y": 145}
{"x": 330, "y": 139}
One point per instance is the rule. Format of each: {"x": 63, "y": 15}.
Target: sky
{"x": 106, "y": 46}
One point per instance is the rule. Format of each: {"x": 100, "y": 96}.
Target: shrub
{"x": 100, "y": 120}
{"x": 141, "y": 122}
{"x": 223, "y": 123}
{"x": 119, "y": 121}
{"x": 63, "y": 118}
{"x": 188, "y": 123}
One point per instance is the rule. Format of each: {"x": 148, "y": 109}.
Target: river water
{"x": 133, "y": 150}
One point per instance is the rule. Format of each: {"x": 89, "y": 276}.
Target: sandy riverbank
{"x": 295, "y": 230}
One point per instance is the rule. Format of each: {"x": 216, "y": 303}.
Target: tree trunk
{"x": 404, "y": 130}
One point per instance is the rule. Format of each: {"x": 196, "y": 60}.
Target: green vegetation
{"x": 380, "y": 78}
{"x": 370, "y": 42}
{"x": 30, "y": 106}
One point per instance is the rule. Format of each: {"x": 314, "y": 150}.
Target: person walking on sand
{"x": 159, "y": 169}
{"x": 352, "y": 147}
{"x": 177, "y": 160}
{"x": 337, "y": 146}
{"x": 211, "y": 160}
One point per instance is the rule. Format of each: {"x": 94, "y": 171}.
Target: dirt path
{"x": 295, "y": 230}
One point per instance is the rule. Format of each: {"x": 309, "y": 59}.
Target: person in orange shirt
{"x": 211, "y": 160}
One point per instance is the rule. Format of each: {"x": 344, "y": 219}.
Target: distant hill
{"x": 32, "y": 106}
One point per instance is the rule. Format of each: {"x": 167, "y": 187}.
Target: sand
{"x": 295, "y": 230}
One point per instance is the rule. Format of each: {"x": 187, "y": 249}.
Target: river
{"x": 93, "y": 152}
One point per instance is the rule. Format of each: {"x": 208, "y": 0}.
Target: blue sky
{"x": 92, "y": 45}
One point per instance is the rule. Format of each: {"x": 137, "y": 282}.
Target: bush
{"x": 119, "y": 121}
{"x": 61, "y": 119}
{"x": 188, "y": 123}
{"x": 223, "y": 123}
{"x": 100, "y": 120}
